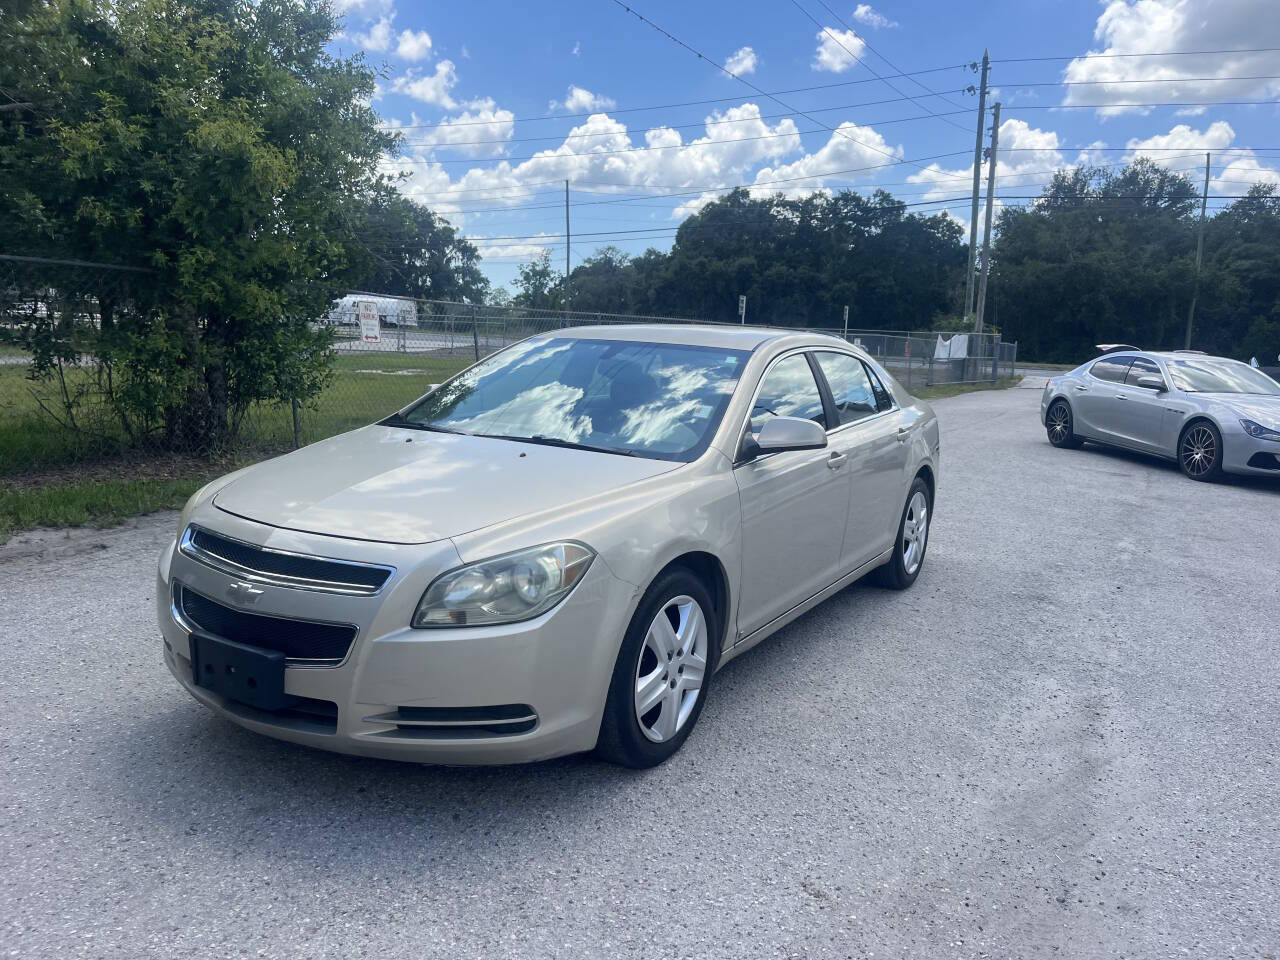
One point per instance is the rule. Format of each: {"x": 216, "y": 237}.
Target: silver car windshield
{"x": 658, "y": 400}
{"x": 1220, "y": 376}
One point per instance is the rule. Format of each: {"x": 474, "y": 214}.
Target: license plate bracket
{"x": 249, "y": 675}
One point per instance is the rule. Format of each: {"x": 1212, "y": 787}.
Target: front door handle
{"x": 836, "y": 460}
{"x": 1121, "y": 396}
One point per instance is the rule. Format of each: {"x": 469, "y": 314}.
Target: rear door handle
{"x": 903, "y": 433}
{"x": 836, "y": 460}
{"x": 1121, "y": 396}
{"x": 1079, "y": 387}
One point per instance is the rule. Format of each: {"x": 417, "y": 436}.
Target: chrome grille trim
{"x": 191, "y": 549}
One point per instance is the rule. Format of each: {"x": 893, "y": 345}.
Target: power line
{"x": 674, "y": 126}
{"x": 672, "y": 106}
{"x": 859, "y": 60}
{"x": 1116, "y": 56}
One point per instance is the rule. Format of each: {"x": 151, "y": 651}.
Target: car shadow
{"x": 1245, "y": 482}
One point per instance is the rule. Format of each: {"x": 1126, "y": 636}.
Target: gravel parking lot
{"x": 1060, "y": 742}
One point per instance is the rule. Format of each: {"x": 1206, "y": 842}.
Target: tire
{"x": 1060, "y": 426}
{"x": 637, "y": 737}
{"x": 1200, "y": 451}
{"x": 908, "y": 551}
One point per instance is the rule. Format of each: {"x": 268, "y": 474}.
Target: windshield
{"x": 659, "y": 400}
{"x": 1220, "y": 376}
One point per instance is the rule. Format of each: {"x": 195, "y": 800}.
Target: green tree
{"x": 218, "y": 144}
{"x": 538, "y": 286}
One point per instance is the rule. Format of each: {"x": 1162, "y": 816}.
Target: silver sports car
{"x": 1210, "y": 414}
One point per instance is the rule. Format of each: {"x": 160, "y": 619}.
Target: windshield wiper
{"x": 396, "y": 420}
{"x": 557, "y": 442}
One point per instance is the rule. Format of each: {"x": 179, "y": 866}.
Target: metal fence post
{"x": 911, "y": 361}
{"x": 995, "y": 359}
{"x": 297, "y": 427}
{"x": 475, "y": 331}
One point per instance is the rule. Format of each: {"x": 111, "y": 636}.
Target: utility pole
{"x": 977, "y": 185}
{"x": 1195, "y": 287}
{"x": 566, "y": 245}
{"x": 986, "y": 230}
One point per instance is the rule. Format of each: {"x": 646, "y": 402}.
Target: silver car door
{"x": 1145, "y": 413}
{"x": 868, "y": 434}
{"x": 1096, "y": 398}
{"x": 793, "y": 504}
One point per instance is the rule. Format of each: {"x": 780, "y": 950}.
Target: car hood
{"x": 1262, "y": 409}
{"x": 409, "y": 486}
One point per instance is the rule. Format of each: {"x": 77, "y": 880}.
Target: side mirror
{"x": 1152, "y": 383}
{"x": 785, "y": 433}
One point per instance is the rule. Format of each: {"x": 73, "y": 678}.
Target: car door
{"x": 794, "y": 503}
{"x": 867, "y": 432}
{"x": 1096, "y": 398}
{"x": 1143, "y": 414}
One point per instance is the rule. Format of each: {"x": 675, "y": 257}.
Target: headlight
{"x": 506, "y": 589}
{"x": 1259, "y": 431}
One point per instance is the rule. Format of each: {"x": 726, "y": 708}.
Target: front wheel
{"x": 1200, "y": 451}
{"x": 913, "y": 537}
{"x": 662, "y": 673}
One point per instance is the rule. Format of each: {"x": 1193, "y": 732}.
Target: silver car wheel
{"x": 1059, "y": 422}
{"x": 670, "y": 671}
{"x": 1199, "y": 451}
{"x": 915, "y": 531}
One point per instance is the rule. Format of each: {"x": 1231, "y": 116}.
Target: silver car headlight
{"x": 1260, "y": 432}
{"x": 506, "y": 589}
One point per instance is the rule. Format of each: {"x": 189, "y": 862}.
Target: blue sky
{"x": 500, "y": 102}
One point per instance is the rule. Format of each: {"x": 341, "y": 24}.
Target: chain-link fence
{"x": 378, "y": 353}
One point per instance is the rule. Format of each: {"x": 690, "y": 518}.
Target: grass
{"x": 955, "y": 389}
{"x": 99, "y": 503}
{"x": 53, "y": 477}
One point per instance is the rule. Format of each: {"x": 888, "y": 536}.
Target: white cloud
{"x": 378, "y": 39}
{"x": 1242, "y": 167}
{"x": 368, "y": 7}
{"x": 577, "y": 48}
{"x": 414, "y": 45}
{"x": 430, "y": 88}
{"x": 725, "y": 155}
{"x": 516, "y": 248}
{"x": 741, "y": 62}
{"x": 850, "y": 148}
{"x": 482, "y": 120}
{"x": 837, "y": 50}
{"x": 1028, "y": 156}
{"x": 1165, "y": 26}
{"x": 578, "y": 100}
{"x": 864, "y": 14}
{"x": 1216, "y": 136}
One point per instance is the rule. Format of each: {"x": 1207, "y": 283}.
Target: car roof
{"x": 726, "y": 336}
{"x": 1164, "y": 355}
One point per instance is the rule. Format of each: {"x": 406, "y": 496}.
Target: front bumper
{"x": 1255, "y": 456}
{"x": 559, "y": 664}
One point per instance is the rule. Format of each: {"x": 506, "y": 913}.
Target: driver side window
{"x": 788, "y": 390}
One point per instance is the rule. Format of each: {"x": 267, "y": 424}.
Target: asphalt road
{"x": 1060, "y": 742}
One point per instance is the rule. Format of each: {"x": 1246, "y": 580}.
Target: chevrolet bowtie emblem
{"x": 244, "y": 593}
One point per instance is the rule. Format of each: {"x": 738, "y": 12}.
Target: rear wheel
{"x": 1059, "y": 426}
{"x": 661, "y": 676}
{"x": 1200, "y": 451}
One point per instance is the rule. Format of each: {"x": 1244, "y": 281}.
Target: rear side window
{"x": 851, "y": 386}
{"x": 1142, "y": 367}
{"x": 788, "y": 390}
{"x": 1113, "y": 369}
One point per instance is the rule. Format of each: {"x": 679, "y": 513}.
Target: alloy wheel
{"x": 915, "y": 531}
{"x": 1059, "y": 422}
{"x": 1199, "y": 451}
{"x": 671, "y": 668}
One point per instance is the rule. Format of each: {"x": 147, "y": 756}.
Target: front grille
{"x": 457, "y": 723}
{"x": 286, "y": 569}
{"x": 296, "y": 639}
